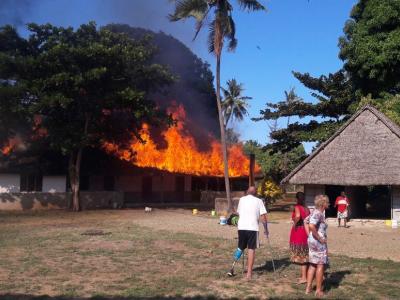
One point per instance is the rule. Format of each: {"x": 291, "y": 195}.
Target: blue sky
{"x": 294, "y": 35}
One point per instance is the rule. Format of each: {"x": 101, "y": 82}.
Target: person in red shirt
{"x": 342, "y": 204}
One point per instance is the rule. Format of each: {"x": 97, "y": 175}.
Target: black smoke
{"x": 194, "y": 87}
{"x": 15, "y": 12}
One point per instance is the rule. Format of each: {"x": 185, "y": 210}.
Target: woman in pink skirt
{"x": 298, "y": 236}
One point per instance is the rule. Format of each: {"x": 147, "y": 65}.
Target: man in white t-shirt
{"x": 250, "y": 209}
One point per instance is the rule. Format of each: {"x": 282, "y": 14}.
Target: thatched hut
{"x": 363, "y": 159}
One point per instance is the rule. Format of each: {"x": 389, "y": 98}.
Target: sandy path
{"x": 359, "y": 241}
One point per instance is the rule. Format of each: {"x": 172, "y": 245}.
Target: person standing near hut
{"x": 342, "y": 203}
{"x": 298, "y": 236}
{"x": 317, "y": 245}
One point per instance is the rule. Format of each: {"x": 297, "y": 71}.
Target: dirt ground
{"x": 360, "y": 241}
{"x": 171, "y": 254}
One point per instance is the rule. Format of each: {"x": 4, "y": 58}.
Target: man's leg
{"x": 250, "y": 262}
{"x": 251, "y": 250}
{"x": 345, "y": 222}
{"x": 338, "y": 221}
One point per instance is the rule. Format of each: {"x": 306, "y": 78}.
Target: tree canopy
{"x": 370, "y": 49}
{"x": 274, "y": 165}
{"x": 79, "y": 88}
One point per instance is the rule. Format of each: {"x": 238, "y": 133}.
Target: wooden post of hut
{"x": 251, "y": 169}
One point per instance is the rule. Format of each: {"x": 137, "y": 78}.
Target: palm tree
{"x": 291, "y": 100}
{"x": 221, "y": 28}
{"x": 234, "y": 105}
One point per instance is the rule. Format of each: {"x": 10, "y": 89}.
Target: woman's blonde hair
{"x": 321, "y": 200}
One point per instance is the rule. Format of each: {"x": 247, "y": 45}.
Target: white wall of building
{"x": 396, "y": 202}
{"x": 54, "y": 184}
{"x": 9, "y": 183}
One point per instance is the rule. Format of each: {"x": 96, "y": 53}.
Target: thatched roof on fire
{"x": 364, "y": 151}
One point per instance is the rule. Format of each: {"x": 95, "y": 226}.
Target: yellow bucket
{"x": 388, "y": 223}
{"x": 194, "y": 211}
{"x": 213, "y": 213}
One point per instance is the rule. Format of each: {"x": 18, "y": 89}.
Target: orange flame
{"x": 181, "y": 154}
{"x": 10, "y": 146}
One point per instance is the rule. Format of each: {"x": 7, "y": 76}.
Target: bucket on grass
{"x": 223, "y": 220}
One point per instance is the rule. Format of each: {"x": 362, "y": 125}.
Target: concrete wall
{"x": 208, "y": 197}
{"x": 221, "y": 205}
{"x": 310, "y": 191}
{"x": 102, "y": 199}
{"x": 42, "y": 201}
{"x": 396, "y": 202}
{"x": 54, "y": 184}
{"x": 9, "y": 183}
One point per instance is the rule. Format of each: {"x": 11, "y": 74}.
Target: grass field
{"x": 61, "y": 255}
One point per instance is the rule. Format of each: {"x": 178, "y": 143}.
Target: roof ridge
{"x": 385, "y": 119}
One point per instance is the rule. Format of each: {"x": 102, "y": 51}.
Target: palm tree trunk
{"x": 223, "y": 138}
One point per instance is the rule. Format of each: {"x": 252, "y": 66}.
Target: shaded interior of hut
{"x": 369, "y": 202}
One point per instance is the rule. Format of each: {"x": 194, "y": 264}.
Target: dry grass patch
{"x": 46, "y": 254}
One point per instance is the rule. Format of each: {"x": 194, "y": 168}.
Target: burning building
{"x": 179, "y": 164}
{"x": 176, "y": 172}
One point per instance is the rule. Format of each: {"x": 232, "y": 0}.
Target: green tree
{"x": 370, "y": 47}
{"x": 272, "y": 163}
{"x": 87, "y": 87}
{"x": 291, "y": 99}
{"x": 371, "y": 54}
{"x": 389, "y": 105}
{"x": 234, "y": 104}
{"x": 221, "y": 29}
{"x": 335, "y": 103}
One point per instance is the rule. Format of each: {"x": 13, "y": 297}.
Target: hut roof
{"x": 364, "y": 151}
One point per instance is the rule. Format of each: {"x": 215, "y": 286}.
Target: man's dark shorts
{"x": 248, "y": 239}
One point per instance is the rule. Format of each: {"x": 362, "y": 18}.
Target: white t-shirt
{"x": 249, "y": 209}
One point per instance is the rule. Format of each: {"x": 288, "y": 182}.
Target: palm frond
{"x": 189, "y": 8}
{"x": 234, "y": 103}
{"x": 200, "y": 23}
{"x": 251, "y": 5}
{"x": 211, "y": 37}
{"x": 231, "y": 32}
